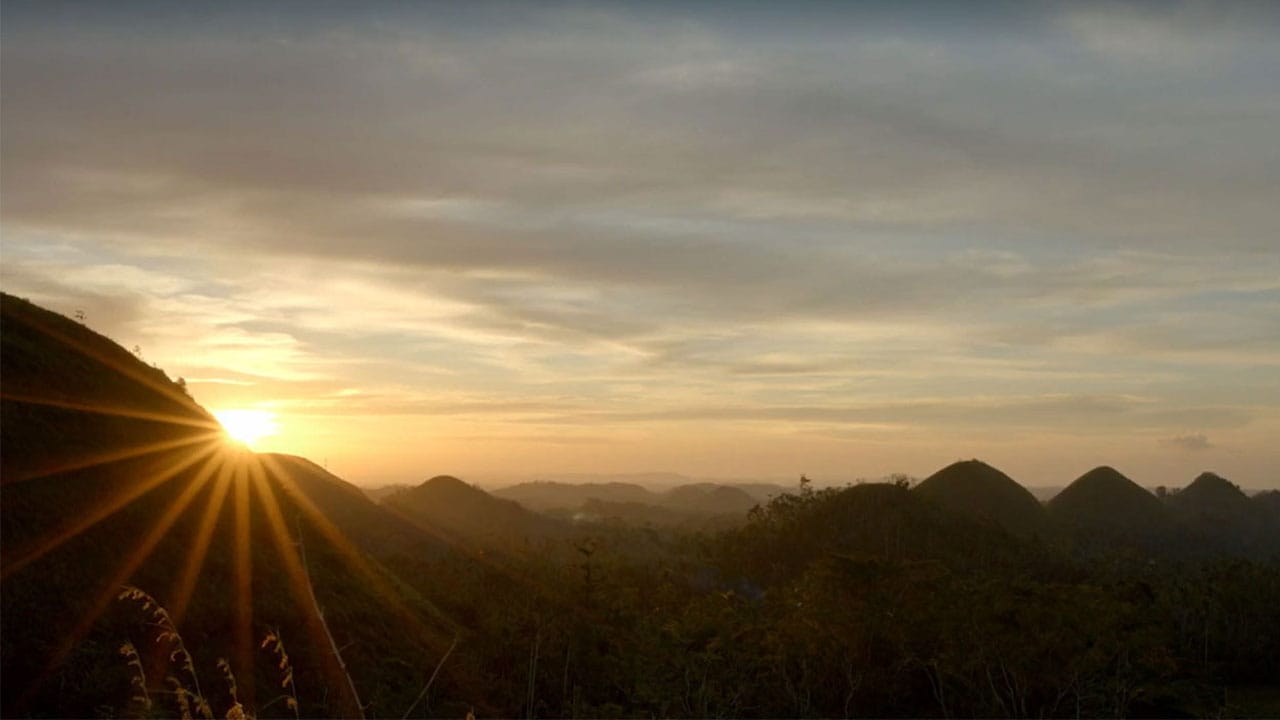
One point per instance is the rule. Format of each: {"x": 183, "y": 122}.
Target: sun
{"x": 248, "y": 426}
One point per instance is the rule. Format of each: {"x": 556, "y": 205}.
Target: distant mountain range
{"x": 461, "y": 513}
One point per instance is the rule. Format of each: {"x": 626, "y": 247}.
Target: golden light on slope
{"x": 248, "y": 426}
{"x": 204, "y": 497}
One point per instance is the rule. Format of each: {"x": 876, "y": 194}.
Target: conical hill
{"x": 975, "y": 489}
{"x": 1104, "y": 508}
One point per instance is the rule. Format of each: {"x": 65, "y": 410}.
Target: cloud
{"x": 1180, "y": 33}
{"x": 1083, "y": 414}
{"x": 272, "y": 137}
{"x": 1192, "y": 442}
{"x": 824, "y": 215}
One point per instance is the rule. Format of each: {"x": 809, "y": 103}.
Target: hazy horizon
{"x": 722, "y": 240}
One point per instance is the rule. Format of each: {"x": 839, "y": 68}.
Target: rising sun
{"x": 247, "y": 426}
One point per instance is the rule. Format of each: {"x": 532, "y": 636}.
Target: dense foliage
{"x": 866, "y": 601}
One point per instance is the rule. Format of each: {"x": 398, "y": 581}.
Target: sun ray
{"x": 300, "y": 583}
{"x": 243, "y": 640}
{"x": 74, "y": 526}
{"x": 185, "y": 587}
{"x": 135, "y": 558}
{"x": 349, "y": 553}
{"x": 115, "y": 456}
{"x": 353, "y": 554}
{"x": 172, "y": 419}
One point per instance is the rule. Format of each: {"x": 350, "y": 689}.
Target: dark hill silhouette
{"x": 708, "y": 499}
{"x": 976, "y": 490}
{"x": 880, "y": 520}
{"x": 1103, "y": 509}
{"x": 1210, "y": 494}
{"x": 464, "y": 512}
{"x": 114, "y": 476}
{"x": 367, "y": 524}
{"x": 379, "y": 493}
{"x": 687, "y": 506}
{"x": 1269, "y": 500}
{"x": 543, "y": 496}
{"x": 668, "y": 515}
{"x": 72, "y": 396}
{"x": 1218, "y": 518}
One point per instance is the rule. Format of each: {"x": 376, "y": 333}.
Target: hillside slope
{"x": 1103, "y": 509}
{"x": 976, "y": 490}
{"x": 71, "y": 397}
{"x": 468, "y": 514}
{"x": 114, "y": 476}
{"x": 544, "y": 496}
{"x": 1216, "y": 517}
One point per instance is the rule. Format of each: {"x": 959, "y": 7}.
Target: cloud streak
{"x": 822, "y": 214}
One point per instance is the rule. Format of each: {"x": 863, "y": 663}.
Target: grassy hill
{"x": 1269, "y": 500}
{"x": 114, "y": 476}
{"x": 1103, "y": 509}
{"x": 1216, "y": 517}
{"x": 464, "y": 513}
{"x": 72, "y": 396}
{"x": 976, "y": 490}
{"x": 544, "y": 496}
{"x": 709, "y": 499}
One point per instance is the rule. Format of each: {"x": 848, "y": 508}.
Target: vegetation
{"x": 952, "y": 598}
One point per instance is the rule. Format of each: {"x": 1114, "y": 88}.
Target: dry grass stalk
{"x": 276, "y": 643}
{"x": 168, "y": 631}
{"x": 237, "y": 711}
{"x": 139, "y": 678}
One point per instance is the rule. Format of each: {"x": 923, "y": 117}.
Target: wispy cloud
{"x": 1193, "y": 442}
{"x": 829, "y": 216}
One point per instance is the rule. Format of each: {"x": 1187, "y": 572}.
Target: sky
{"x": 745, "y": 240}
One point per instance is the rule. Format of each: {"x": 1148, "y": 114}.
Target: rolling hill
{"x": 465, "y": 513}
{"x": 113, "y": 476}
{"x": 709, "y": 499}
{"x": 544, "y": 496}
{"x": 1103, "y": 508}
{"x": 976, "y": 490}
{"x": 1216, "y": 517}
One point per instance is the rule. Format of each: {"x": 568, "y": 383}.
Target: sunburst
{"x": 248, "y": 426}
{"x": 218, "y": 482}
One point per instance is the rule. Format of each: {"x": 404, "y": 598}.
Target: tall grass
{"x": 190, "y": 702}
{"x": 188, "y": 699}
